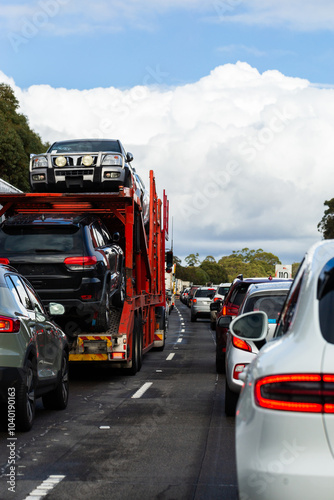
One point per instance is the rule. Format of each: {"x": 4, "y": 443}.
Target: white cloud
{"x": 245, "y": 158}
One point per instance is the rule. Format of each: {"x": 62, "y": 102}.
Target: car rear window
{"x": 325, "y": 295}
{"x": 32, "y": 239}
{"x": 271, "y": 305}
{"x": 205, "y": 293}
{"x": 222, "y": 290}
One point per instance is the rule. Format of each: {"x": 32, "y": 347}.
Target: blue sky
{"x": 84, "y": 44}
{"x": 230, "y": 102}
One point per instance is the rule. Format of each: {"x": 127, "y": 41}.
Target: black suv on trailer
{"x": 71, "y": 259}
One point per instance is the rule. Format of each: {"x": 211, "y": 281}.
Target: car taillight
{"x": 241, "y": 344}
{"x": 216, "y": 298}
{"x": 194, "y": 301}
{"x": 9, "y": 325}
{"x": 80, "y": 263}
{"x": 304, "y": 392}
{"x": 5, "y": 261}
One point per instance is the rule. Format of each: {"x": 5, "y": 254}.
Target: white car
{"x": 285, "y": 413}
{"x": 268, "y": 297}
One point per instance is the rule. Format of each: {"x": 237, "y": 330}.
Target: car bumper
{"x": 281, "y": 454}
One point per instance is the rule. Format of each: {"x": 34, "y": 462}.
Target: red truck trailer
{"x": 140, "y": 324}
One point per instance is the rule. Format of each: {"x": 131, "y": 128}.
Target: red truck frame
{"x": 141, "y": 324}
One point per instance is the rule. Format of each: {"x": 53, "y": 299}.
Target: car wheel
{"x": 220, "y": 362}
{"x": 231, "y": 399}
{"x": 58, "y": 398}
{"x": 193, "y": 318}
{"x": 25, "y": 397}
{"x": 119, "y": 296}
{"x": 103, "y": 319}
{"x": 213, "y": 325}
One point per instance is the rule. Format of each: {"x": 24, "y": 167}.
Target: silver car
{"x": 218, "y": 298}
{"x": 269, "y": 298}
{"x": 200, "y": 304}
{"x": 99, "y": 164}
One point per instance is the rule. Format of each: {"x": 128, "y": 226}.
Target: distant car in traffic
{"x": 230, "y": 307}
{"x": 285, "y": 412}
{"x": 81, "y": 164}
{"x": 268, "y": 297}
{"x": 222, "y": 291}
{"x": 33, "y": 352}
{"x": 200, "y": 304}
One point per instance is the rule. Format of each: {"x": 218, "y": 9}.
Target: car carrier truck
{"x": 139, "y": 323}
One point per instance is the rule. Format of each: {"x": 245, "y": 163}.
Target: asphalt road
{"x": 170, "y": 440}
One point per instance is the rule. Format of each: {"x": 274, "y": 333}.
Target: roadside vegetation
{"x": 17, "y": 141}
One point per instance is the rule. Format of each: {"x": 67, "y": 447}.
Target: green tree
{"x": 326, "y": 225}
{"x": 216, "y": 272}
{"x": 192, "y": 259}
{"x": 250, "y": 263}
{"x": 17, "y": 141}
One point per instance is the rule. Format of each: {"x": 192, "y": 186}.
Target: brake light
{"x": 9, "y": 325}
{"x": 80, "y": 263}
{"x": 216, "y": 298}
{"x": 304, "y": 392}
{"x": 224, "y": 311}
{"x": 3, "y": 260}
{"x": 194, "y": 301}
{"x": 241, "y": 344}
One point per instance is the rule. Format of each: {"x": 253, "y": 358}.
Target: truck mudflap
{"x": 160, "y": 327}
{"x": 99, "y": 348}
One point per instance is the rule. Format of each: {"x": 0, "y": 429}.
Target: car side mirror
{"x": 129, "y": 157}
{"x": 224, "y": 321}
{"x": 250, "y": 326}
{"x": 116, "y": 237}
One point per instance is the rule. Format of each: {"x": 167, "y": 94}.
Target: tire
{"x": 140, "y": 343}
{"x": 135, "y": 346}
{"x": 119, "y": 296}
{"x": 58, "y": 398}
{"x": 25, "y": 397}
{"x": 231, "y": 399}
{"x": 193, "y": 318}
{"x": 103, "y": 319}
{"x": 220, "y": 363}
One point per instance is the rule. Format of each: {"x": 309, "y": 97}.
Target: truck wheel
{"x": 135, "y": 347}
{"x": 140, "y": 343}
{"x": 58, "y": 398}
{"x": 103, "y": 317}
{"x": 231, "y": 399}
{"x": 25, "y": 397}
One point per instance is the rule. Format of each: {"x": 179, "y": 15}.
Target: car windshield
{"x": 28, "y": 239}
{"x": 85, "y": 147}
{"x": 222, "y": 290}
{"x": 271, "y": 305}
{"x": 205, "y": 293}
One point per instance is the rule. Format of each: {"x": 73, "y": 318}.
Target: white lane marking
{"x": 170, "y": 356}
{"x": 183, "y": 330}
{"x": 44, "y": 488}
{"x": 142, "y": 390}
{"x": 179, "y": 340}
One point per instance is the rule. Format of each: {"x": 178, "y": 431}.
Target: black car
{"x": 70, "y": 259}
{"x": 81, "y": 164}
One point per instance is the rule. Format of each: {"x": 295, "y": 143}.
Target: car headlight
{"x": 40, "y": 162}
{"x": 87, "y": 160}
{"x": 112, "y": 160}
{"x": 60, "y": 161}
